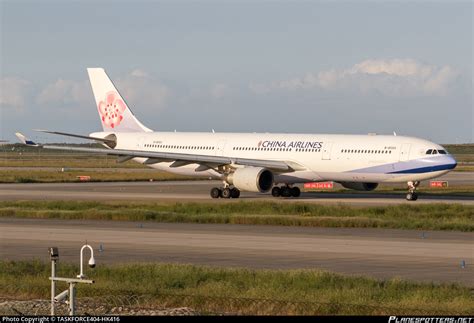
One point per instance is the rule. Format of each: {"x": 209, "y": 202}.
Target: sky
{"x": 242, "y": 66}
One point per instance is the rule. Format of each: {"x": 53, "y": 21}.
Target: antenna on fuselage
{"x": 394, "y": 133}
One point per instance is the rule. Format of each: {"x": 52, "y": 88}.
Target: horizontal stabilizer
{"x": 25, "y": 140}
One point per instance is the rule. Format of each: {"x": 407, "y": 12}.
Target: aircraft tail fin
{"x": 114, "y": 112}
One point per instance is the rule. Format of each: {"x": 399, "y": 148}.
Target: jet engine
{"x": 251, "y": 179}
{"x": 360, "y": 186}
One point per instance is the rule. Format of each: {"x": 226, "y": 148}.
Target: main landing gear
{"x": 225, "y": 192}
{"x": 286, "y": 191}
{"x": 412, "y": 195}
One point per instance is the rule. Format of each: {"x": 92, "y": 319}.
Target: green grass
{"x": 47, "y": 176}
{"x": 24, "y": 156}
{"x": 460, "y": 149}
{"x": 422, "y": 216}
{"x": 464, "y": 168}
{"x": 242, "y": 290}
{"x": 64, "y": 160}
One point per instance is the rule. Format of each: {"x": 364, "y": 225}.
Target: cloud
{"x": 220, "y": 90}
{"x": 139, "y": 73}
{"x": 65, "y": 92}
{"x": 14, "y": 92}
{"x": 136, "y": 87}
{"x": 139, "y": 88}
{"x": 392, "y": 77}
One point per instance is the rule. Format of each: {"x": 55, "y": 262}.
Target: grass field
{"x": 459, "y": 149}
{"x": 219, "y": 290}
{"x": 65, "y": 160}
{"x": 424, "y": 216}
{"x": 48, "y": 176}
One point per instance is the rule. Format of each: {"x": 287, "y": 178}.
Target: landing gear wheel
{"x": 295, "y": 192}
{"x": 276, "y": 192}
{"x": 234, "y": 193}
{"x": 215, "y": 193}
{"x": 226, "y": 193}
{"x": 285, "y": 191}
{"x": 412, "y": 195}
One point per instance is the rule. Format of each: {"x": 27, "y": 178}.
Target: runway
{"x": 198, "y": 191}
{"x": 380, "y": 253}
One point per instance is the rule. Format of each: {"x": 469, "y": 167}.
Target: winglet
{"x": 25, "y": 140}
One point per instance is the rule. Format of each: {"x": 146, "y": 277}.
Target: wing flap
{"x": 123, "y": 159}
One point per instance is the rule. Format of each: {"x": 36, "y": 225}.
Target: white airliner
{"x": 260, "y": 162}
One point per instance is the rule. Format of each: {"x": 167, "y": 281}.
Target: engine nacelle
{"x": 360, "y": 186}
{"x": 251, "y": 179}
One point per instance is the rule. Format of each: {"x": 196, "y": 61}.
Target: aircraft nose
{"x": 453, "y": 161}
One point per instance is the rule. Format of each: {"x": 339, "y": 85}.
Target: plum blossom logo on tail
{"x": 111, "y": 110}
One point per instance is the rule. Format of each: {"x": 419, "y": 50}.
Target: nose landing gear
{"x": 412, "y": 195}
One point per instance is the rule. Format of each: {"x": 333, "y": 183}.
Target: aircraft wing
{"x": 182, "y": 159}
{"x": 178, "y": 159}
{"x": 77, "y": 136}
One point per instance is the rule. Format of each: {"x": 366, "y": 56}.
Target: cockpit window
{"x": 429, "y": 151}
{"x": 441, "y": 151}
{"x": 434, "y": 152}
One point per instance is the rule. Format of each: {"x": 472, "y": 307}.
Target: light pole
{"x": 91, "y": 260}
{"x": 71, "y": 291}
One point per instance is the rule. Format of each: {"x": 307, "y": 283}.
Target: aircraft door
{"x": 219, "y": 150}
{"x": 405, "y": 152}
{"x": 327, "y": 147}
{"x": 141, "y": 143}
